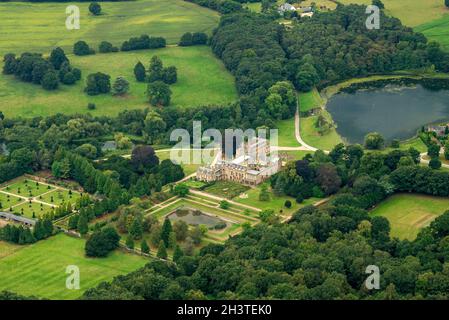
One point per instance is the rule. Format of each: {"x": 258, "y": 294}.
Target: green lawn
{"x": 310, "y": 100}
{"x": 437, "y": 30}
{"x": 293, "y": 155}
{"x": 411, "y": 12}
{"x": 7, "y": 201}
{"x": 27, "y": 188}
{"x": 311, "y": 136}
{"x": 226, "y": 189}
{"x": 7, "y": 248}
{"x": 189, "y": 166}
{"x": 38, "y": 209}
{"x": 286, "y": 133}
{"x": 39, "y": 269}
{"x": 408, "y": 213}
{"x": 276, "y": 203}
{"x": 202, "y": 80}
{"x": 41, "y": 26}
{"x": 60, "y": 196}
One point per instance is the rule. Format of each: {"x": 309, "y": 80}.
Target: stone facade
{"x": 251, "y": 165}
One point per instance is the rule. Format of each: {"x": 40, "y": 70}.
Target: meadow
{"x": 40, "y": 269}
{"x": 408, "y": 213}
{"x": 430, "y": 17}
{"x": 311, "y": 136}
{"x": 41, "y": 26}
{"x": 276, "y": 203}
{"x": 411, "y": 12}
{"x": 202, "y": 80}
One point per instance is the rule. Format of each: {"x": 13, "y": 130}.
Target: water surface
{"x": 395, "y": 112}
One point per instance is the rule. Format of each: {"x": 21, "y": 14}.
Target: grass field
{"x": 286, "y": 133}
{"x": 411, "y": 12}
{"x": 27, "y": 188}
{"x": 41, "y": 26}
{"x": 437, "y": 30}
{"x": 276, "y": 203}
{"x": 38, "y": 209}
{"x": 226, "y": 189}
{"x": 39, "y": 269}
{"x": 7, "y": 201}
{"x": 311, "y": 136}
{"x": 202, "y": 80}
{"x": 408, "y": 213}
{"x": 59, "y": 196}
{"x": 310, "y": 100}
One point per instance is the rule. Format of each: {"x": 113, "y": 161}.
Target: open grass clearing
{"x": 408, "y": 213}
{"x": 202, "y": 80}
{"x": 40, "y": 269}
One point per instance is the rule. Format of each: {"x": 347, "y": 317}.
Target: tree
{"x": 224, "y": 204}
{"x": 446, "y": 2}
{"x": 57, "y": 58}
{"x": 177, "y": 254}
{"x": 144, "y": 247}
{"x": 130, "y": 242}
{"x": 181, "y": 230}
{"x": 154, "y": 126}
{"x": 106, "y": 47}
{"x": 101, "y": 242}
{"x": 374, "y": 141}
{"x": 143, "y": 158}
{"x": 165, "y": 232}
{"x": 328, "y": 178}
{"x": 379, "y": 4}
{"x": 97, "y": 83}
{"x": 139, "y": 72}
{"x": 170, "y": 75}
{"x": 162, "y": 251}
{"x": 81, "y": 48}
{"x": 95, "y": 8}
{"x": 435, "y": 163}
{"x": 155, "y": 71}
{"x": 433, "y": 150}
{"x": 120, "y": 86}
{"x": 82, "y": 227}
{"x": 264, "y": 195}
{"x": 159, "y": 93}
{"x": 136, "y": 228}
{"x": 186, "y": 40}
{"x": 446, "y": 150}
{"x": 181, "y": 190}
{"x": 50, "y": 81}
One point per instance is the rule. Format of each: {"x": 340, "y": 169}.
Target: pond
{"x": 396, "y": 112}
{"x": 196, "y": 217}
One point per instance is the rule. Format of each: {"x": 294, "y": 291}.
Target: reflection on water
{"x": 194, "y": 217}
{"x": 395, "y": 112}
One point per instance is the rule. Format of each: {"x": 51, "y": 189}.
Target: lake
{"x": 395, "y": 112}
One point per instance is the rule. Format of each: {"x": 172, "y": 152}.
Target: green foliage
{"x": 98, "y": 83}
{"x": 120, "y": 86}
{"x": 102, "y": 242}
{"x": 95, "y": 8}
{"x": 159, "y": 93}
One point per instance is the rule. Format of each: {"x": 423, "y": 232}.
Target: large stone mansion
{"x": 251, "y": 165}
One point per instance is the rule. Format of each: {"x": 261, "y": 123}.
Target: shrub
{"x": 91, "y": 106}
{"x": 50, "y": 81}
{"x": 95, "y": 8}
{"x": 106, "y": 47}
{"x": 288, "y": 204}
{"x": 81, "y": 48}
{"x": 98, "y": 83}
